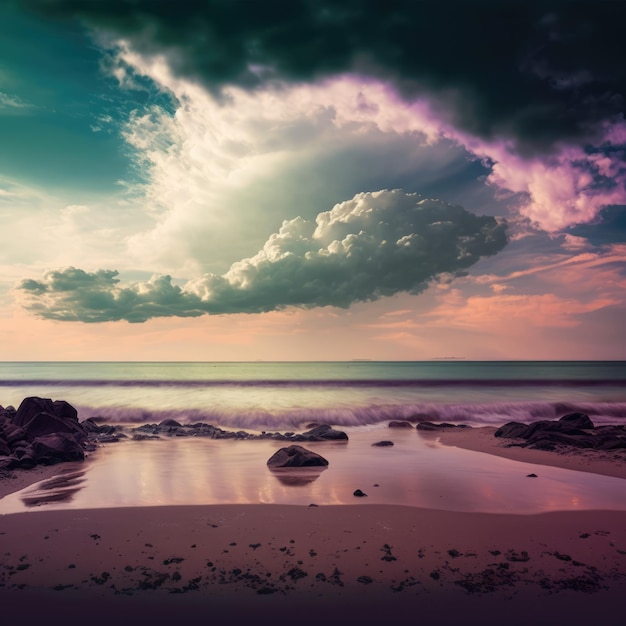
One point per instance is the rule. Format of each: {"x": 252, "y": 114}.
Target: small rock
{"x": 359, "y": 494}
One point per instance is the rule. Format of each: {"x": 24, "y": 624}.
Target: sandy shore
{"x": 312, "y": 564}
{"x": 610, "y": 463}
{"x": 332, "y": 563}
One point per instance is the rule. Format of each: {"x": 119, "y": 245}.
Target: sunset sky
{"x": 312, "y": 180}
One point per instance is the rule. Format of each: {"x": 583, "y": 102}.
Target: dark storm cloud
{"x": 538, "y": 72}
{"x": 375, "y": 245}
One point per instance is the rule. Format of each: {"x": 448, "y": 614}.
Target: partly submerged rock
{"x": 324, "y": 432}
{"x": 440, "y": 426}
{"x": 383, "y": 444}
{"x": 296, "y": 456}
{"x": 400, "y": 424}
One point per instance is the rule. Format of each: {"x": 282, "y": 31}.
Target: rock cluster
{"x": 40, "y": 432}
{"x": 574, "y": 429}
{"x": 172, "y": 428}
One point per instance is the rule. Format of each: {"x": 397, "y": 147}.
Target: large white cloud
{"x": 375, "y": 245}
{"x": 203, "y": 159}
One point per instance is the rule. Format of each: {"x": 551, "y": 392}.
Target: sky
{"x": 227, "y": 180}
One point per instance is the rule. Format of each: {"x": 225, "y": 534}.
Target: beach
{"x": 313, "y": 563}
{"x": 174, "y": 514}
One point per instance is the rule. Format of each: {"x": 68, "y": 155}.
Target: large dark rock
{"x": 65, "y": 410}
{"x": 41, "y": 432}
{"x": 41, "y": 416}
{"x": 296, "y": 456}
{"x": 48, "y": 423}
{"x": 30, "y": 407}
{"x": 56, "y": 448}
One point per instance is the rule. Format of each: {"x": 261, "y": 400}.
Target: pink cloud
{"x": 504, "y": 312}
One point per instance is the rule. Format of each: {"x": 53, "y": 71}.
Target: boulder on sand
{"x": 296, "y": 456}
{"x": 575, "y": 430}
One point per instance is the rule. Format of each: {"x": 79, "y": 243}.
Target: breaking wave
{"x": 486, "y": 414}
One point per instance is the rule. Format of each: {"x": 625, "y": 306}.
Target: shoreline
{"x": 475, "y": 439}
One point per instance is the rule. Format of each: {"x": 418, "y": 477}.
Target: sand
{"x": 331, "y": 564}
{"x": 609, "y": 463}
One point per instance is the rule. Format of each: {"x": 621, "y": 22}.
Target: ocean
{"x": 287, "y": 395}
{"x": 359, "y": 397}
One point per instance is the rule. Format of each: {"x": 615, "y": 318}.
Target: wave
{"x": 486, "y": 414}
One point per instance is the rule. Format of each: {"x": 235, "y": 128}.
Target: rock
{"x": 57, "y": 447}
{"x": 64, "y": 410}
{"x": 359, "y": 494}
{"x": 4, "y": 448}
{"x": 30, "y": 407}
{"x": 383, "y": 444}
{"x": 296, "y": 456}
{"x": 441, "y": 426}
{"x": 574, "y": 430}
{"x": 48, "y": 423}
{"x": 11, "y": 433}
{"x": 400, "y": 424}
{"x": 324, "y": 432}
{"x": 24, "y": 456}
{"x": 169, "y": 423}
{"x": 531, "y": 475}
{"x": 577, "y": 420}
{"x": 511, "y": 430}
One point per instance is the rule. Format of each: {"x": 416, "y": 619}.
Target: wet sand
{"x": 311, "y": 564}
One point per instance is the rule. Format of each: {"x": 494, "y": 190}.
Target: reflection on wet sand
{"x": 416, "y": 471}
{"x": 59, "y": 488}
{"x": 297, "y": 476}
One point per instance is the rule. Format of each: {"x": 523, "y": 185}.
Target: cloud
{"x": 12, "y": 104}
{"x": 569, "y": 186}
{"x": 248, "y": 135}
{"x": 537, "y": 73}
{"x": 507, "y": 311}
{"x": 374, "y": 245}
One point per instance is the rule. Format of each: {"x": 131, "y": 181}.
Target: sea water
{"x": 359, "y": 397}
{"x": 270, "y": 396}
